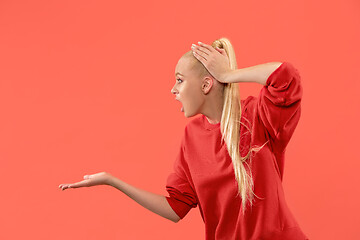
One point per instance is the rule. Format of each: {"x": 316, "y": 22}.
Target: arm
{"x": 151, "y": 201}
{"x": 258, "y": 73}
{"x": 279, "y": 105}
{"x": 181, "y": 197}
{"x": 154, "y": 202}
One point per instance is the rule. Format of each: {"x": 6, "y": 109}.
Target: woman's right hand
{"x": 101, "y": 178}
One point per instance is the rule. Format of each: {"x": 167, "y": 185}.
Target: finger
{"x": 208, "y": 47}
{"x": 199, "y": 57}
{"x": 201, "y": 49}
{"x": 221, "y": 51}
{"x": 63, "y": 186}
{"x": 78, "y": 184}
{"x": 201, "y": 54}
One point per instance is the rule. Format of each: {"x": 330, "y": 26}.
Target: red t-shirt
{"x": 204, "y": 175}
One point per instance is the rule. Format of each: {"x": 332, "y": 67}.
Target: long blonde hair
{"x": 230, "y": 125}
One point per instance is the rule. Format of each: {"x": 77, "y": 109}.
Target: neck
{"x": 213, "y": 110}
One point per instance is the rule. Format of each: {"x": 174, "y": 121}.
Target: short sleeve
{"x": 279, "y": 105}
{"x": 181, "y": 197}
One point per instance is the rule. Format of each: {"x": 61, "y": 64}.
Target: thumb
{"x": 221, "y": 50}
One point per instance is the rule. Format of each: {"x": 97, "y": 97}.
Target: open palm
{"x": 101, "y": 178}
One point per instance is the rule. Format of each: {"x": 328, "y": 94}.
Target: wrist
{"x": 109, "y": 180}
{"x": 226, "y": 78}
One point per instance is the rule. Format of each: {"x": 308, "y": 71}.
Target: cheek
{"x": 191, "y": 95}
{"x": 193, "y": 98}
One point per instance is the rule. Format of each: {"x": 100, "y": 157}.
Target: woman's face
{"x": 187, "y": 88}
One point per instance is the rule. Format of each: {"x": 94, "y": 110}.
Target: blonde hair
{"x": 230, "y": 124}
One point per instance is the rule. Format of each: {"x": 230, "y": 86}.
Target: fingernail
{"x": 199, "y": 42}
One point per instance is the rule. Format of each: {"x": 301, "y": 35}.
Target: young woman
{"x": 231, "y": 158}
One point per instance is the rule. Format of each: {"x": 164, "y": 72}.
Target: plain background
{"x": 85, "y": 88}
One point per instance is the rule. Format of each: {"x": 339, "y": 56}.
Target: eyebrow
{"x": 179, "y": 74}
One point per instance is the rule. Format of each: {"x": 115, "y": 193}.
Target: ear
{"x": 207, "y": 84}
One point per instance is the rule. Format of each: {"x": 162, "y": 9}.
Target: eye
{"x": 179, "y": 80}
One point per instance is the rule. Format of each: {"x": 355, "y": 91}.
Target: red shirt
{"x": 203, "y": 171}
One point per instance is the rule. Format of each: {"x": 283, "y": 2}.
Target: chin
{"x": 188, "y": 115}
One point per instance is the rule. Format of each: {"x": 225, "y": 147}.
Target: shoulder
{"x": 248, "y": 104}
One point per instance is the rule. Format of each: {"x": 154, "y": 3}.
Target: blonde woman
{"x": 231, "y": 158}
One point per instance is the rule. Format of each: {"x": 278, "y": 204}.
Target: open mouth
{"x": 182, "y": 107}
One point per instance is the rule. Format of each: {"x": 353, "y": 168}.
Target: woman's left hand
{"x": 216, "y": 60}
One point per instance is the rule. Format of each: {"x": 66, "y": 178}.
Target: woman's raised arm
{"x": 258, "y": 73}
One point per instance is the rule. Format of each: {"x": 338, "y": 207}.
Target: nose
{"x": 173, "y": 90}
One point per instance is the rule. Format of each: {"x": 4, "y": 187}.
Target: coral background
{"x": 85, "y": 88}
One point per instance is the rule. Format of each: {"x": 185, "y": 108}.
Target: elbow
{"x": 176, "y": 219}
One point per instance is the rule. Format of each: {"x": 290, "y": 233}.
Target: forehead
{"x": 183, "y": 67}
